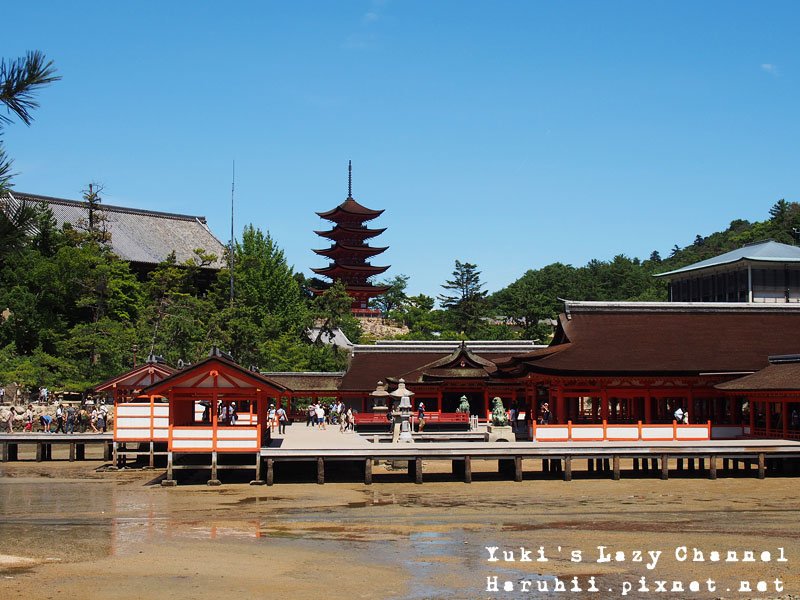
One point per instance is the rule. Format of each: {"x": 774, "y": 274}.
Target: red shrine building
{"x": 350, "y": 251}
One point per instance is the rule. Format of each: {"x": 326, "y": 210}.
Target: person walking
{"x": 60, "y": 419}
{"x": 28, "y": 419}
{"x": 282, "y": 418}
{"x": 420, "y": 417}
{"x": 71, "y": 419}
{"x": 321, "y": 416}
{"x": 311, "y": 414}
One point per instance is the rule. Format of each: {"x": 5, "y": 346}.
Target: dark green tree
{"x": 395, "y": 297}
{"x": 467, "y": 304}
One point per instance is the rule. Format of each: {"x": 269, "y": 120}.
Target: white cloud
{"x": 770, "y": 68}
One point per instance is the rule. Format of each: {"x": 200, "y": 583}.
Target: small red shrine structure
{"x": 349, "y": 252}
{"x": 125, "y": 387}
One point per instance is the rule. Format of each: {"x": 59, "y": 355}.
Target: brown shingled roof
{"x": 140, "y": 236}
{"x": 780, "y": 376}
{"x": 370, "y": 367}
{"x": 677, "y": 340}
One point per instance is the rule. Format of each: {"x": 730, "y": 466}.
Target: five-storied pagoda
{"x": 349, "y": 252}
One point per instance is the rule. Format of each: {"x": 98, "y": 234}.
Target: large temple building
{"x": 349, "y": 252}
{"x": 767, "y": 272}
{"x": 142, "y": 237}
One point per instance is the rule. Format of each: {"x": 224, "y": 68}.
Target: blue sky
{"x": 507, "y": 134}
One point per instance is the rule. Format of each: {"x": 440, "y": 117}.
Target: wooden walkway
{"x": 555, "y": 458}
{"x": 44, "y": 442}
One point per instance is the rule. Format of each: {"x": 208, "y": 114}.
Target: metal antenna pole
{"x": 233, "y": 184}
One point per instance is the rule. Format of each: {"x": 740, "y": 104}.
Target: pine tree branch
{"x": 19, "y": 79}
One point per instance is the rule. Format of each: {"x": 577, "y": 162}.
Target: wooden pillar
{"x": 214, "y": 481}
{"x": 785, "y": 417}
{"x": 320, "y": 470}
{"x": 752, "y": 406}
{"x": 368, "y": 471}
{"x": 270, "y": 471}
{"x": 257, "y": 480}
{"x": 615, "y": 475}
{"x": 72, "y": 451}
{"x": 712, "y": 467}
{"x": 561, "y": 408}
{"x": 169, "y": 481}
{"x": 604, "y": 405}
{"x": 467, "y": 469}
{"x": 761, "y": 465}
{"x": 39, "y": 451}
{"x": 664, "y": 467}
{"x": 151, "y": 462}
{"x": 517, "y": 468}
{"x": 568, "y": 468}
{"x": 107, "y": 451}
{"x": 485, "y": 403}
{"x": 635, "y": 464}
{"x": 4, "y": 452}
{"x": 417, "y": 462}
{"x": 648, "y": 408}
{"x": 768, "y": 415}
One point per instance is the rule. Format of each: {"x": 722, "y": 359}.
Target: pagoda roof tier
{"x": 350, "y": 211}
{"x": 355, "y": 233}
{"x": 368, "y": 290}
{"x": 343, "y": 250}
{"x": 336, "y": 270}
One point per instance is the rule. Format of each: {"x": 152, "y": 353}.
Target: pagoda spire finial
{"x": 349, "y": 178}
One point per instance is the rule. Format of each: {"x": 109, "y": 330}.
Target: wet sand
{"x": 67, "y": 531}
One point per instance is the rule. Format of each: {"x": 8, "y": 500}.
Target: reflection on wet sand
{"x": 348, "y": 540}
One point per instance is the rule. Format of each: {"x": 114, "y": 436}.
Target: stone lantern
{"x": 402, "y": 428}
{"x": 379, "y": 403}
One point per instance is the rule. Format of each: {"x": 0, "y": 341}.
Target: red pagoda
{"x": 349, "y": 252}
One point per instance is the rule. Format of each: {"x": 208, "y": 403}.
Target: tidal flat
{"x": 69, "y": 530}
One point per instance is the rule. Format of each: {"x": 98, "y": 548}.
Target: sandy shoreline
{"x": 112, "y": 535}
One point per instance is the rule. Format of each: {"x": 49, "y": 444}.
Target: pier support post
{"x": 415, "y": 469}
{"x": 590, "y": 465}
{"x": 39, "y": 451}
{"x": 615, "y": 474}
{"x": 726, "y": 464}
{"x": 761, "y": 465}
{"x": 606, "y": 465}
{"x": 568, "y": 468}
{"x": 545, "y": 465}
{"x": 13, "y": 452}
{"x": 679, "y": 465}
{"x": 320, "y": 470}
{"x": 152, "y": 458}
{"x": 368, "y": 471}
{"x": 4, "y": 452}
{"x": 691, "y": 464}
{"x": 517, "y": 468}
{"x": 115, "y": 457}
{"x": 467, "y": 469}
{"x": 636, "y": 464}
{"x": 270, "y": 471}
{"x": 108, "y": 451}
{"x": 258, "y": 480}
{"x": 214, "y": 481}
{"x": 169, "y": 481}
{"x": 653, "y": 464}
{"x": 71, "y": 452}
{"x": 664, "y": 467}
{"x": 80, "y": 451}
{"x": 712, "y": 467}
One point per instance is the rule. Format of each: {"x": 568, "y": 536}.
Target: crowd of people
{"x": 67, "y": 419}
{"x": 321, "y": 415}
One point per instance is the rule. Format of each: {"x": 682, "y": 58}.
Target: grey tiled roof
{"x": 141, "y": 236}
{"x": 768, "y": 251}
